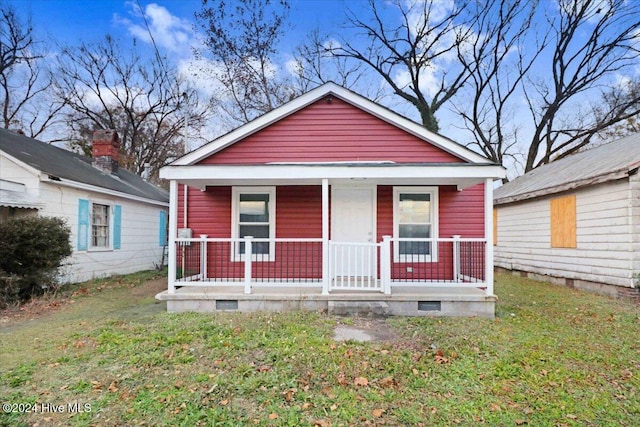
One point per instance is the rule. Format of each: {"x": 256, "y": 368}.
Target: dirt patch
{"x": 364, "y": 329}
{"x": 150, "y": 288}
{"x": 45, "y": 306}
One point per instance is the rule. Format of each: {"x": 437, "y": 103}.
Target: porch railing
{"x": 248, "y": 262}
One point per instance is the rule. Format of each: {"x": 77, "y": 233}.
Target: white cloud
{"x": 169, "y": 31}
{"x": 429, "y": 81}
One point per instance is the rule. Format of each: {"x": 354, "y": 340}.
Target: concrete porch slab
{"x": 404, "y": 301}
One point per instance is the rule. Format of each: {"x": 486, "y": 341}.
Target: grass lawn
{"x": 552, "y": 357}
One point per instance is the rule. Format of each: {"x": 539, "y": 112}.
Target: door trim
{"x": 374, "y": 203}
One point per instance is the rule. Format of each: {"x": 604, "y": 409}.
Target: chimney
{"x": 106, "y": 150}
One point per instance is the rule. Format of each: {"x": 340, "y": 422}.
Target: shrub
{"x": 31, "y": 252}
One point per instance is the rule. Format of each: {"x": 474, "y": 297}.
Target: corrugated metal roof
{"x": 603, "y": 163}
{"x": 66, "y": 165}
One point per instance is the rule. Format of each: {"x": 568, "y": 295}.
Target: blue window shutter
{"x": 117, "y": 226}
{"x": 162, "y": 231}
{"x": 83, "y": 224}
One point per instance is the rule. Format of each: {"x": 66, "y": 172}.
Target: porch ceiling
{"x": 460, "y": 175}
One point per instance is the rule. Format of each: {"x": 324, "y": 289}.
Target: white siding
{"x": 604, "y": 250}
{"x": 10, "y": 171}
{"x": 140, "y": 248}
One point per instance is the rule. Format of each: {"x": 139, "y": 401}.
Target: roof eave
{"x": 567, "y": 186}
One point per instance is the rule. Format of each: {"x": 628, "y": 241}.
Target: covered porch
{"x": 358, "y": 253}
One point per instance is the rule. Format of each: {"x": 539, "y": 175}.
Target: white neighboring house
{"x": 575, "y": 221}
{"x": 118, "y": 220}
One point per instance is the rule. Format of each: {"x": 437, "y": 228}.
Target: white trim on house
{"x": 102, "y": 190}
{"x": 434, "y": 213}
{"x": 345, "y": 95}
{"x": 461, "y": 175}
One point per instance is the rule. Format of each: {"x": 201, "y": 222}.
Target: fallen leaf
{"x": 572, "y": 417}
{"x": 264, "y": 368}
{"x": 333, "y": 407}
{"x": 321, "y": 423}
{"x": 440, "y": 359}
{"x": 113, "y": 387}
{"x": 288, "y": 394}
{"x": 520, "y": 422}
{"x": 378, "y": 412}
{"x": 361, "y": 381}
{"x": 224, "y": 402}
{"x": 273, "y": 416}
{"x": 387, "y": 382}
{"x": 342, "y": 379}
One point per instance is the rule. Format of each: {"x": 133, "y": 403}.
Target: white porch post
{"x": 203, "y": 257}
{"x": 247, "y": 264}
{"x": 325, "y": 237}
{"x": 385, "y": 264}
{"x": 488, "y": 234}
{"x": 173, "y": 232}
{"x": 456, "y": 258}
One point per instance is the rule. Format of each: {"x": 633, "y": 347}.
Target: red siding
{"x": 462, "y": 212}
{"x": 323, "y": 132}
{"x": 299, "y": 215}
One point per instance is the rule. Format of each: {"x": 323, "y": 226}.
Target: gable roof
{"x": 345, "y": 95}
{"x": 604, "y": 163}
{"x": 63, "y": 165}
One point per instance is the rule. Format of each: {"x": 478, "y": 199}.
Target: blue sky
{"x": 70, "y": 21}
{"x": 172, "y": 23}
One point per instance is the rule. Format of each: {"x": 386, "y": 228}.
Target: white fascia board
{"x": 347, "y": 96}
{"x": 93, "y": 188}
{"x": 293, "y": 172}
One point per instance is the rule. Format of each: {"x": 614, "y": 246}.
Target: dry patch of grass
{"x": 553, "y": 356}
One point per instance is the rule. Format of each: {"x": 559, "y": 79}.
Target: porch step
{"x": 358, "y": 308}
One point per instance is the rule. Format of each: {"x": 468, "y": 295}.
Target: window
{"x": 100, "y": 226}
{"x": 415, "y": 216}
{"x": 253, "y": 213}
{"x": 563, "y": 222}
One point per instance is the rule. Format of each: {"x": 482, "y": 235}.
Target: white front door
{"x": 353, "y": 232}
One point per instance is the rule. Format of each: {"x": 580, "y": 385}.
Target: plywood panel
{"x": 563, "y": 222}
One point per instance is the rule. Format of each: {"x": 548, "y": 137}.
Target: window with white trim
{"x": 415, "y": 216}
{"x": 253, "y": 214}
{"x": 100, "y": 225}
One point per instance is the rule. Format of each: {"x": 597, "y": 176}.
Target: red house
{"x": 332, "y": 202}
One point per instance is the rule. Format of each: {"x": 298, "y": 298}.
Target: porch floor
{"x": 404, "y": 300}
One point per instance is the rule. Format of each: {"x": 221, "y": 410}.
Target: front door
{"x": 354, "y": 249}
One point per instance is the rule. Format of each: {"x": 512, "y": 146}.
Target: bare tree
{"x": 142, "y": 99}
{"x": 417, "y": 56}
{"x": 241, "y": 41}
{"x": 499, "y": 57}
{"x": 314, "y": 65}
{"x": 592, "y": 42}
{"x": 25, "y": 82}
